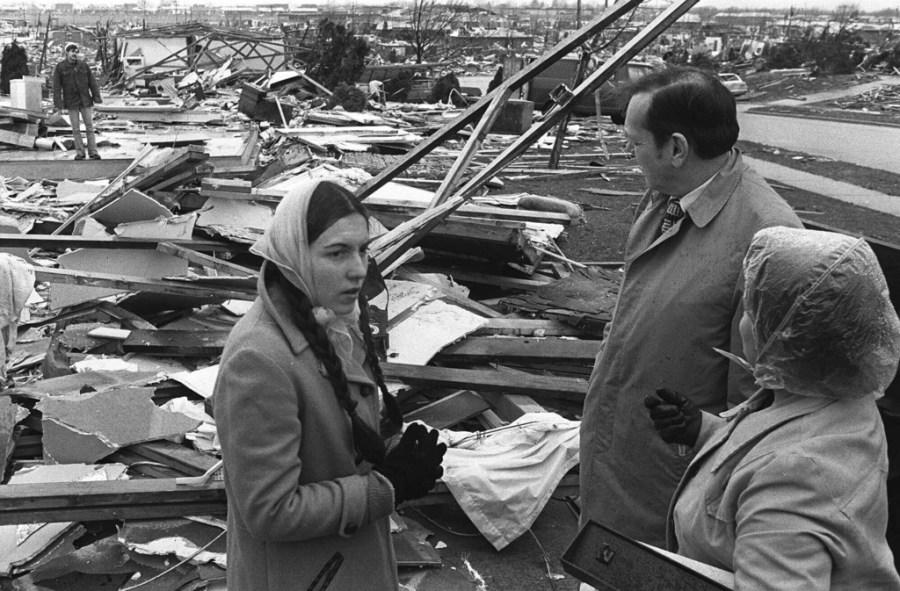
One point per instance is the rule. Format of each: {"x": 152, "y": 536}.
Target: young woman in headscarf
{"x": 788, "y": 490}
{"x": 310, "y": 484}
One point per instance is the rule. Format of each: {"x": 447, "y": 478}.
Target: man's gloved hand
{"x": 674, "y": 416}
{"x": 414, "y": 465}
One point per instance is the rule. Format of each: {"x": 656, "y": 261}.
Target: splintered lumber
{"x": 527, "y": 327}
{"x": 561, "y": 49}
{"x": 412, "y": 208}
{"x": 129, "y": 283}
{"x": 489, "y": 380}
{"x": 205, "y": 260}
{"x": 153, "y": 498}
{"x": 53, "y": 242}
{"x": 449, "y": 410}
{"x": 176, "y": 343}
{"x": 407, "y": 235}
{"x": 189, "y": 156}
{"x": 522, "y": 348}
{"x": 109, "y": 194}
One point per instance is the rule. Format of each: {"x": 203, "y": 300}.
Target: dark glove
{"x": 415, "y": 464}
{"x": 674, "y": 416}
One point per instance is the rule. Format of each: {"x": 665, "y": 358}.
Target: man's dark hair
{"x": 691, "y": 102}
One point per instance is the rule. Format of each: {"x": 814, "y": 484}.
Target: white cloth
{"x": 16, "y": 285}
{"x": 503, "y": 478}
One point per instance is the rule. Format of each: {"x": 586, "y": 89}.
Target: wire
{"x": 546, "y": 558}
{"x": 174, "y": 566}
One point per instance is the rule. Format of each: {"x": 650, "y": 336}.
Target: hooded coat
{"x": 789, "y": 491}
{"x": 297, "y": 498}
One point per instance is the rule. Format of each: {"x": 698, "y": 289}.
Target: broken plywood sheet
{"x": 142, "y": 263}
{"x": 403, "y": 295}
{"x": 179, "y": 227}
{"x": 87, "y": 427}
{"x": 200, "y": 381}
{"x": 241, "y": 221}
{"x": 78, "y": 193}
{"x": 22, "y": 543}
{"x": 133, "y": 206}
{"x": 430, "y": 328}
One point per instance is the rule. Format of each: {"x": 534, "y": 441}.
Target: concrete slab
{"x": 881, "y": 202}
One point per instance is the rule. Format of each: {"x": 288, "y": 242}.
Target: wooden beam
{"x": 131, "y": 283}
{"x": 409, "y": 235}
{"x": 176, "y": 343}
{"x": 55, "y": 242}
{"x": 105, "y": 500}
{"x": 488, "y": 380}
{"x": 527, "y": 327}
{"x": 548, "y": 348}
{"x": 561, "y": 49}
{"x": 449, "y": 410}
{"x": 205, "y": 260}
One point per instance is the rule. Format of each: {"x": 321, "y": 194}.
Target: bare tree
{"x": 430, "y": 21}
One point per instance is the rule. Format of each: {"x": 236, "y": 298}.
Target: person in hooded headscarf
{"x": 788, "y": 490}
{"x": 309, "y": 482}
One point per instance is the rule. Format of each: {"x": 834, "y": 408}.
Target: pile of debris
{"x": 882, "y": 99}
{"x": 489, "y": 331}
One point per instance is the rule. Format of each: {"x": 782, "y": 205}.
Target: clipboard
{"x": 610, "y": 561}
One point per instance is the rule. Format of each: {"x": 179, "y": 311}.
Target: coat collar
{"x": 701, "y": 210}
{"x": 710, "y": 202}
{"x": 760, "y": 424}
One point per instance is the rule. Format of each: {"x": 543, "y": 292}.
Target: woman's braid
{"x": 391, "y": 406}
{"x": 368, "y": 443}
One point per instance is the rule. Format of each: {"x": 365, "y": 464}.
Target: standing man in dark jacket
{"x": 75, "y": 91}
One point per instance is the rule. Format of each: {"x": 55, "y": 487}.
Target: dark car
{"x": 612, "y": 100}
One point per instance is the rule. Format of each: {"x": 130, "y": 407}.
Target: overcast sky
{"x": 867, "y": 5}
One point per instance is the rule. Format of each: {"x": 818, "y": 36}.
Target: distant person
{"x": 679, "y": 298}
{"x": 75, "y": 92}
{"x": 788, "y": 491}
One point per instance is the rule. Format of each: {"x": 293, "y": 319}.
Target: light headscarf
{"x": 821, "y": 315}
{"x": 285, "y": 244}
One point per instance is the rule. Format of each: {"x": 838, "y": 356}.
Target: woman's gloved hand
{"x": 414, "y": 465}
{"x": 674, "y": 416}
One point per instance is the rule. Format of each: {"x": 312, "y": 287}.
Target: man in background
{"x": 75, "y": 92}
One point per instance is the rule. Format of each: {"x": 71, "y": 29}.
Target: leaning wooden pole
{"x": 570, "y": 43}
{"x": 388, "y": 246}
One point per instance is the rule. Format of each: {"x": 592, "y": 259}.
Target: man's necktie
{"x": 673, "y": 214}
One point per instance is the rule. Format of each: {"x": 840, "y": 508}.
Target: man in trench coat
{"x": 680, "y": 296}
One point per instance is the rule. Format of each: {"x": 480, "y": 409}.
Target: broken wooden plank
{"x": 176, "y": 343}
{"x": 488, "y": 380}
{"x": 53, "y": 242}
{"x": 205, "y": 260}
{"x": 117, "y": 499}
{"x": 564, "y": 47}
{"x": 522, "y": 348}
{"x": 449, "y": 410}
{"x": 527, "y": 327}
{"x": 127, "y": 283}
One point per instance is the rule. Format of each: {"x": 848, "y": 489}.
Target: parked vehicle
{"x": 734, "y": 83}
{"x": 612, "y": 100}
